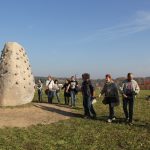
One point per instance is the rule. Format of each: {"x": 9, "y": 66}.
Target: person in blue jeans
{"x": 88, "y": 94}
{"x": 72, "y": 87}
{"x": 49, "y": 86}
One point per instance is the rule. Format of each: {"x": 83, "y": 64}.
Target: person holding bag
{"x": 111, "y": 96}
{"x": 49, "y": 88}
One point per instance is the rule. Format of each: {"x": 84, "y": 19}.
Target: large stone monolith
{"x": 16, "y": 79}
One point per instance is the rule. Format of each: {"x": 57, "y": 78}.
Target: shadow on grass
{"x": 58, "y": 111}
{"x": 144, "y": 125}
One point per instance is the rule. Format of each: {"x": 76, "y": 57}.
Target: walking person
{"x": 39, "y": 89}
{"x": 72, "y": 89}
{"x": 111, "y": 96}
{"x": 129, "y": 90}
{"x": 66, "y": 94}
{"x": 49, "y": 86}
{"x": 88, "y": 94}
{"x": 56, "y": 90}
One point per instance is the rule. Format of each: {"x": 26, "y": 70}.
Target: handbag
{"x": 47, "y": 90}
{"x": 105, "y": 101}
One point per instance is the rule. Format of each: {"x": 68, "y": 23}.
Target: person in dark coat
{"x": 88, "y": 94}
{"x": 66, "y": 94}
{"x": 39, "y": 89}
{"x": 111, "y": 96}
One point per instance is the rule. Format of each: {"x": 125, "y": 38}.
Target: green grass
{"x": 84, "y": 134}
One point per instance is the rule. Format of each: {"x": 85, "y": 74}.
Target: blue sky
{"x": 67, "y": 37}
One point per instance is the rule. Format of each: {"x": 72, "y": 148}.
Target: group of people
{"x": 53, "y": 88}
{"x": 129, "y": 89}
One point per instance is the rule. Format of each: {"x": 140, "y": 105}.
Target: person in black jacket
{"x": 72, "y": 89}
{"x": 66, "y": 94}
{"x": 88, "y": 94}
{"x": 39, "y": 89}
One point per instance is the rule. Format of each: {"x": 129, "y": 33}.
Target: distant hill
{"x": 144, "y": 83}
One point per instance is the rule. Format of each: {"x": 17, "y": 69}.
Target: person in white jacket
{"x": 50, "y": 85}
{"x": 129, "y": 90}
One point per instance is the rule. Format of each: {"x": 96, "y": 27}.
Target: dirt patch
{"x": 37, "y": 113}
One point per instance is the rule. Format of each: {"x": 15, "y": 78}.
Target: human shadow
{"x": 58, "y": 111}
{"x": 144, "y": 125}
{"x": 137, "y": 123}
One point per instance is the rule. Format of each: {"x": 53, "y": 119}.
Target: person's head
{"x": 56, "y": 81}
{"x": 108, "y": 78}
{"x": 72, "y": 78}
{"x": 130, "y": 76}
{"x": 49, "y": 77}
{"x": 85, "y": 77}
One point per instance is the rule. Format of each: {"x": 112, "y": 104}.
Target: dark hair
{"x": 108, "y": 76}
{"x": 55, "y": 81}
{"x": 129, "y": 74}
{"x": 86, "y": 76}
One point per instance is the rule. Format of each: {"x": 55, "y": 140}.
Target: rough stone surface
{"x": 16, "y": 79}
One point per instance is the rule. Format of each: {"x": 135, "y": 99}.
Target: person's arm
{"x": 63, "y": 87}
{"x": 137, "y": 88}
{"x": 92, "y": 90}
{"x": 102, "y": 91}
{"x": 58, "y": 88}
{"x": 116, "y": 90}
{"x": 41, "y": 86}
{"x": 121, "y": 90}
{"x": 47, "y": 84}
{"x": 68, "y": 88}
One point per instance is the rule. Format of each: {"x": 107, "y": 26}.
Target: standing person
{"x": 66, "y": 94}
{"x": 49, "y": 85}
{"x": 88, "y": 94}
{"x": 72, "y": 87}
{"x": 129, "y": 90}
{"x": 56, "y": 90}
{"x": 111, "y": 96}
{"x": 39, "y": 88}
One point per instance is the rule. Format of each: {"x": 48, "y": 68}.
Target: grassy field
{"x": 84, "y": 134}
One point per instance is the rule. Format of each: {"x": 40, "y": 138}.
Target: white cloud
{"x": 139, "y": 23}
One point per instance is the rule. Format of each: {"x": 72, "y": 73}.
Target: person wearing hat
{"x": 111, "y": 96}
{"x": 88, "y": 94}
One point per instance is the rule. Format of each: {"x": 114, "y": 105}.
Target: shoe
{"x": 130, "y": 124}
{"x": 114, "y": 118}
{"x": 127, "y": 120}
{"x": 109, "y": 120}
{"x": 86, "y": 117}
{"x": 94, "y": 117}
